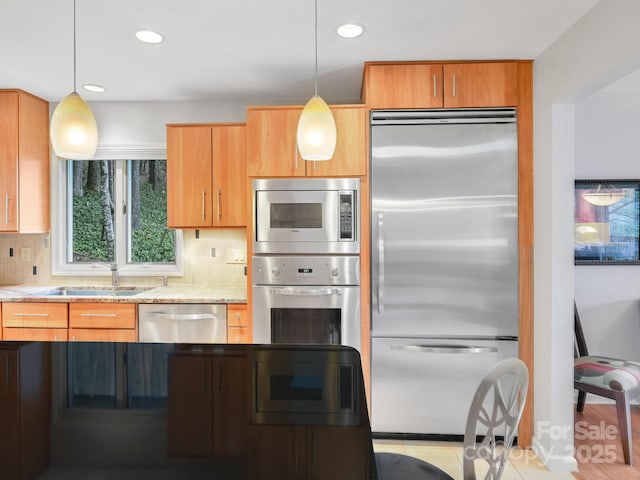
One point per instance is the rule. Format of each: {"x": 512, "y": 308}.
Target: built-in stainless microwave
{"x": 306, "y": 384}
{"x": 306, "y": 216}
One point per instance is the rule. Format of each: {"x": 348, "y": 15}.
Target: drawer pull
{"x": 30, "y": 314}
{"x": 99, "y": 315}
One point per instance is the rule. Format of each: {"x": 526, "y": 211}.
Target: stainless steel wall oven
{"x": 306, "y": 299}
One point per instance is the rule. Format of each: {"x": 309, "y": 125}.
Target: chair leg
{"x": 582, "y": 396}
{"x": 624, "y": 424}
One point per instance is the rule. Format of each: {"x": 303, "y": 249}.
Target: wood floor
{"x": 598, "y": 448}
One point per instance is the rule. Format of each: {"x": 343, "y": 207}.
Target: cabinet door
{"x": 238, "y": 328}
{"x": 229, "y": 175}
{"x": 9, "y": 161}
{"x": 480, "y": 85}
{"x": 35, "y": 334}
{"x": 403, "y": 86}
{"x": 189, "y": 406}
{"x": 277, "y": 451}
{"x": 189, "y": 176}
{"x": 350, "y": 157}
{"x": 230, "y": 406}
{"x": 9, "y": 414}
{"x": 339, "y": 453}
{"x": 271, "y": 142}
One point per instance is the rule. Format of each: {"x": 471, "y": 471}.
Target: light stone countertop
{"x": 170, "y": 294}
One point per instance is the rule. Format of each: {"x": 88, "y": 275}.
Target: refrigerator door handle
{"x": 444, "y": 348}
{"x": 380, "y": 263}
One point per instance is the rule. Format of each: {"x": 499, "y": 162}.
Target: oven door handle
{"x": 306, "y": 291}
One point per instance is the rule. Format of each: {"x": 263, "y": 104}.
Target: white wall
{"x": 602, "y": 46}
{"x": 608, "y": 296}
{"x": 125, "y": 123}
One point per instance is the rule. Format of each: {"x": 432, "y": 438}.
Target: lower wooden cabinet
{"x": 25, "y": 406}
{"x": 291, "y": 452}
{"x": 103, "y": 322}
{"x": 238, "y": 327}
{"x": 207, "y": 412}
{"x": 43, "y": 321}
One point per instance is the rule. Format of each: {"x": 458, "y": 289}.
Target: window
{"x": 113, "y": 211}
{"x": 117, "y": 375}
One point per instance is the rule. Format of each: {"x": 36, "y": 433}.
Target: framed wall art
{"x": 607, "y": 216}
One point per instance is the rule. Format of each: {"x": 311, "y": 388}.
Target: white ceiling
{"x": 256, "y": 51}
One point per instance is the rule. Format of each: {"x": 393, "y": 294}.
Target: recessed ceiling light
{"x": 93, "y": 88}
{"x": 350, "y": 30}
{"x": 147, "y": 36}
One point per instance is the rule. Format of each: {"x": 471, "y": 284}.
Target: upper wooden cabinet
{"x": 272, "y": 149}
{"x": 441, "y": 85}
{"x": 206, "y": 175}
{"x": 24, "y": 163}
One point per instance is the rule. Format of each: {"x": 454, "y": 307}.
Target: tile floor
{"x": 523, "y": 464}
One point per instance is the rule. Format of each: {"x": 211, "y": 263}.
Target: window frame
{"x": 61, "y": 229}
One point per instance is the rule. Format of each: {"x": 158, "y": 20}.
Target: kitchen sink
{"x": 91, "y": 292}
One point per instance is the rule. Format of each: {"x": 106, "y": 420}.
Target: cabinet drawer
{"x": 102, "y": 315}
{"x": 102, "y": 335}
{"x": 34, "y": 315}
{"x": 35, "y": 334}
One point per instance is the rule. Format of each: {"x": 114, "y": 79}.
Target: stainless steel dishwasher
{"x": 182, "y": 323}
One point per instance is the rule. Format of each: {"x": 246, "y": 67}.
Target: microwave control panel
{"x": 347, "y": 216}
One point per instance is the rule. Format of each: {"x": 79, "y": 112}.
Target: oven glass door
{"x": 297, "y": 216}
{"x": 306, "y": 314}
{"x": 306, "y": 325}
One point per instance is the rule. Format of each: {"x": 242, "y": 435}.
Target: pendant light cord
{"x": 74, "y": 46}
{"x": 316, "y": 40}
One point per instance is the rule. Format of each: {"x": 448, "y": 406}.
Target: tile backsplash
{"x": 217, "y": 258}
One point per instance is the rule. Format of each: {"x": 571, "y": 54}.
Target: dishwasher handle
{"x": 183, "y": 316}
{"x": 444, "y": 348}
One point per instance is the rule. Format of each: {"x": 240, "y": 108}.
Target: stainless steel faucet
{"x": 115, "y": 278}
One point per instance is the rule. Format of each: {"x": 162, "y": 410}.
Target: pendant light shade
{"x": 316, "y": 133}
{"x": 73, "y": 131}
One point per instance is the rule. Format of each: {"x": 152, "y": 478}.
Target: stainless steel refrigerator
{"x": 444, "y": 262}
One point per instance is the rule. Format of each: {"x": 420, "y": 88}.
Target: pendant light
{"x": 316, "y": 133}
{"x": 74, "y": 132}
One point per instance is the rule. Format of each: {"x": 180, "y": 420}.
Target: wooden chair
{"x": 492, "y": 424}
{"x": 608, "y": 377}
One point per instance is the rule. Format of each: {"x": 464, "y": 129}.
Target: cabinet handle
{"x": 55, "y": 338}
{"x": 73, "y": 338}
{"x": 6, "y": 209}
{"x": 204, "y": 379}
{"x": 295, "y": 451}
{"x": 203, "y": 204}
{"x": 435, "y": 86}
{"x": 30, "y": 314}
{"x": 8, "y": 371}
{"x": 454, "y": 86}
{"x": 99, "y": 315}
{"x": 218, "y": 204}
{"x": 313, "y": 449}
{"x": 219, "y": 377}
{"x": 296, "y": 155}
